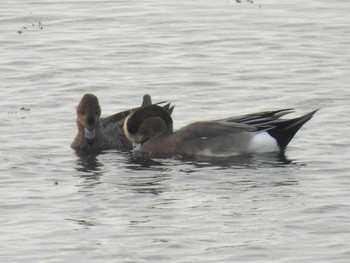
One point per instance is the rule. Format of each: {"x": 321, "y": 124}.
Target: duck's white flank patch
{"x": 263, "y": 142}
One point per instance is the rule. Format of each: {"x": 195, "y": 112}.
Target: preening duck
{"x": 99, "y": 133}
{"x": 150, "y": 129}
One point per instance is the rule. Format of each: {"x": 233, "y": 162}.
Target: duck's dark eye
{"x": 82, "y": 112}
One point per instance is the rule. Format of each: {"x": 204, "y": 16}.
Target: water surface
{"x": 212, "y": 59}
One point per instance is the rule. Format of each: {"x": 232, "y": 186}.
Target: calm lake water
{"x": 212, "y": 59}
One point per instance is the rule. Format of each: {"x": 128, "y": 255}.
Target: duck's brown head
{"x": 147, "y": 122}
{"x": 88, "y": 116}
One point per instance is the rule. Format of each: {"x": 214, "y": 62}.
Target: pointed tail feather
{"x": 285, "y": 130}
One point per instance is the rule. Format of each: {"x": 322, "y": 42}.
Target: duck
{"x": 96, "y": 133}
{"x": 150, "y": 129}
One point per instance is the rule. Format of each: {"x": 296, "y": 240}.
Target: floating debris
{"x": 39, "y": 25}
{"x": 24, "y": 109}
{"x": 248, "y": 1}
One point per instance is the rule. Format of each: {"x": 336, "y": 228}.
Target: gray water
{"x": 212, "y": 59}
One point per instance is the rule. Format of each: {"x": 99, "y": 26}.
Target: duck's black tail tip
{"x": 285, "y": 130}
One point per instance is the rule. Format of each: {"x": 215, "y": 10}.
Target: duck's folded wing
{"x": 210, "y": 129}
{"x": 147, "y": 100}
{"x": 259, "y": 117}
{"x": 261, "y": 120}
{"x": 116, "y": 117}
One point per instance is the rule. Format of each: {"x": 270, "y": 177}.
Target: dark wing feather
{"x": 261, "y": 120}
{"x": 260, "y": 116}
{"x": 146, "y": 101}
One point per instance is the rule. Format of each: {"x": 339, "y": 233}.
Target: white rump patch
{"x": 263, "y": 142}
